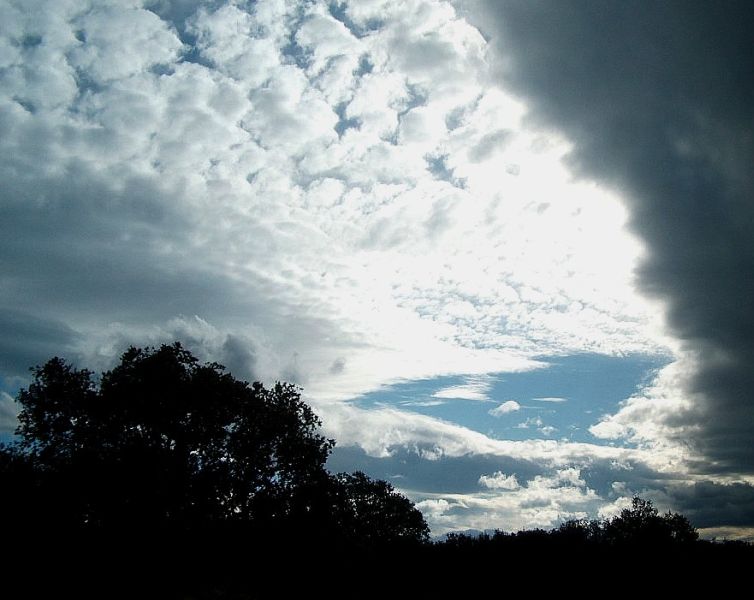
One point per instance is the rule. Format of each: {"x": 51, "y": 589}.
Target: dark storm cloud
{"x": 658, "y": 99}
{"x": 28, "y": 340}
{"x": 239, "y": 357}
{"x": 708, "y": 504}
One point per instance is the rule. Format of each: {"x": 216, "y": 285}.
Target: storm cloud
{"x": 658, "y": 101}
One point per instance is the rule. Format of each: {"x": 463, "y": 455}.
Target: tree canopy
{"x": 164, "y": 441}
{"x": 167, "y": 464}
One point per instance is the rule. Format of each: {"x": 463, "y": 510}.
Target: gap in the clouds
{"x": 294, "y": 53}
{"x": 438, "y": 168}
{"x": 178, "y": 13}
{"x": 560, "y": 401}
{"x": 344, "y": 122}
{"x": 339, "y": 13}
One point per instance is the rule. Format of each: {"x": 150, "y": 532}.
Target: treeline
{"x": 172, "y": 471}
{"x": 163, "y": 443}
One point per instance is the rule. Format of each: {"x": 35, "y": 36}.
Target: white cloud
{"x": 383, "y": 431}
{"x": 116, "y": 42}
{"x": 499, "y": 481}
{"x": 551, "y": 400}
{"x": 544, "y": 501}
{"x": 243, "y": 45}
{"x": 660, "y": 416}
{"x": 530, "y": 422}
{"x": 506, "y": 407}
{"x": 8, "y": 413}
{"x": 475, "y": 388}
{"x": 614, "y": 508}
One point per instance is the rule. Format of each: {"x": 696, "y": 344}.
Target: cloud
{"x": 28, "y": 337}
{"x": 662, "y": 415}
{"x": 420, "y": 475}
{"x": 506, "y": 407}
{"x": 550, "y": 400}
{"x": 499, "y": 481}
{"x": 8, "y": 414}
{"x": 213, "y": 176}
{"x": 744, "y": 534}
{"x": 475, "y": 388}
{"x": 335, "y": 193}
{"x": 117, "y": 42}
{"x": 656, "y": 102}
{"x": 383, "y": 432}
{"x": 543, "y": 501}
{"x": 614, "y": 508}
{"x": 488, "y": 145}
{"x": 442, "y": 467}
{"x": 531, "y": 421}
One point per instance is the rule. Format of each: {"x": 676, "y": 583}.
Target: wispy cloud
{"x": 474, "y": 388}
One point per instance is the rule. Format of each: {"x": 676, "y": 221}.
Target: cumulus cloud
{"x": 543, "y": 501}
{"x": 506, "y": 407}
{"x": 499, "y": 481}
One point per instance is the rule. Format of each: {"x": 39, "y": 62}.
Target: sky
{"x": 505, "y": 248}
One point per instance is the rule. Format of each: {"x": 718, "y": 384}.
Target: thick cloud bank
{"x": 658, "y": 99}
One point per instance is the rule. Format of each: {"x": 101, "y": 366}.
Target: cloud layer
{"x": 321, "y": 183}
{"x": 344, "y": 196}
{"x": 657, "y": 100}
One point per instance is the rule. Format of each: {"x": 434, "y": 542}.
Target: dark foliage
{"x": 180, "y": 464}
{"x": 172, "y": 470}
{"x": 163, "y": 440}
{"x": 653, "y": 544}
{"x": 641, "y": 526}
{"x": 377, "y": 514}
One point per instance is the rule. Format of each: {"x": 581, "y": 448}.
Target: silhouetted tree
{"x": 163, "y": 442}
{"x": 163, "y": 439}
{"x": 641, "y": 523}
{"x": 376, "y": 514}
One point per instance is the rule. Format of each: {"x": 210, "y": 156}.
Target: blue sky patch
{"x": 557, "y": 402}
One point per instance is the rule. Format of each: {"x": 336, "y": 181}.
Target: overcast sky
{"x": 506, "y": 248}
